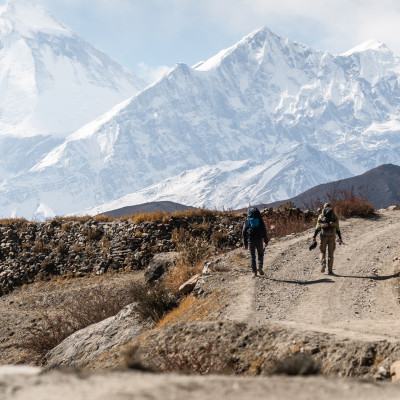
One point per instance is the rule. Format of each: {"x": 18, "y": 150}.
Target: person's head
{"x": 326, "y": 205}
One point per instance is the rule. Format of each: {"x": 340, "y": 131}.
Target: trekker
{"x": 255, "y": 238}
{"x": 328, "y": 225}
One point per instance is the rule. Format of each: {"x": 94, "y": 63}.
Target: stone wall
{"x": 31, "y": 251}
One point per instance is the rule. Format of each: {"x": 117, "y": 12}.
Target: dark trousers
{"x": 258, "y": 246}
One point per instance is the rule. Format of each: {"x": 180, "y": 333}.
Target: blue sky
{"x": 149, "y": 36}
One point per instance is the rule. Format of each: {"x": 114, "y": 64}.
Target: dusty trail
{"x": 360, "y": 301}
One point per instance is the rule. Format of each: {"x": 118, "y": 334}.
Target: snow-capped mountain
{"x": 257, "y": 100}
{"x": 51, "y": 81}
{"x": 236, "y": 184}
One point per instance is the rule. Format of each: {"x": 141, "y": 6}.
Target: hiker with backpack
{"x": 328, "y": 226}
{"x": 255, "y": 238}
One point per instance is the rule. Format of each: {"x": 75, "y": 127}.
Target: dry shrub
{"x": 78, "y": 311}
{"x": 93, "y": 234}
{"x": 347, "y": 203}
{"x": 192, "y": 253}
{"x": 179, "y": 274}
{"x": 220, "y": 239}
{"x": 164, "y": 216}
{"x": 153, "y": 302}
{"x": 39, "y": 246}
{"x": 192, "y": 249}
{"x": 280, "y": 225}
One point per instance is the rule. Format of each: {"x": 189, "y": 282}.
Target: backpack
{"x": 327, "y": 215}
{"x": 255, "y": 225}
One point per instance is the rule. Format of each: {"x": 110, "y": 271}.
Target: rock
{"x": 189, "y": 285}
{"x": 160, "y": 264}
{"x": 85, "y": 345}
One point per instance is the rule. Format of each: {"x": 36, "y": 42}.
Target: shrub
{"x": 347, "y": 203}
{"x": 39, "y": 246}
{"x": 280, "y": 225}
{"x": 78, "y": 311}
{"x": 153, "y": 302}
{"x": 193, "y": 249}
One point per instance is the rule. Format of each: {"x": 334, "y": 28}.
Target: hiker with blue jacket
{"x": 255, "y": 238}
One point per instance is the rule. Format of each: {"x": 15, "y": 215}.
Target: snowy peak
{"x": 259, "y": 46}
{"x": 52, "y": 81}
{"x": 28, "y": 20}
{"x": 371, "y": 44}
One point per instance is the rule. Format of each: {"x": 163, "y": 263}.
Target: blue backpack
{"x": 254, "y": 218}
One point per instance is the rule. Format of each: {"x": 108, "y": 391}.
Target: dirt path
{"x": 360, "y": 301}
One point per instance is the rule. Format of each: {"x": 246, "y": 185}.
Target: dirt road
{"x": 359, "y": 301}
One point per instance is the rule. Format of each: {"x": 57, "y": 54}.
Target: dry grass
{"x": 281, "y": 225}
{"x": 192, "y": 309}
{"x": 77, "y": 312}
{"x": 10, "y": 221}
{"x": 164, "y": 216}
{"x": 179, "y": 274}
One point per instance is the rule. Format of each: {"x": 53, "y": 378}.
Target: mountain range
{"x": 380, "y": 186}
{"x": 262, "y": 121}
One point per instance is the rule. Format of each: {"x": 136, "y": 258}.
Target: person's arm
{"x": 338, "y": 229}
{"x": 317, "y": 228}
{"x": 266, "y": 238}
{"x": 244, "y": 234}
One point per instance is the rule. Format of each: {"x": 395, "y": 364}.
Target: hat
{"x": 327, "y": 205}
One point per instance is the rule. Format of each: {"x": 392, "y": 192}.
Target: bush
{"x": 347, "y": 203}
{"x": 280, "y": 225}
{"x": 153, "y": 302}
{"x": 192, "y": 249}
{"x": 79, "y": 311}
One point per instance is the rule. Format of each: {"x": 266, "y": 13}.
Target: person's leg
{"x": 322, "y": 254}
{"x": 331, "y": 251}
{"x": 252, "y": 251}
{"x": 260, "y": 254}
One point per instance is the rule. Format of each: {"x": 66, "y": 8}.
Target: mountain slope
{"x": 51, "y": 80}
{"x": 256, "y": 101}
{"x": 236, "y": 184}
{"x": 381, "y": 186}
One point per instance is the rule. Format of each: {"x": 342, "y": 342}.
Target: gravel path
{"x": 361, "y": 299}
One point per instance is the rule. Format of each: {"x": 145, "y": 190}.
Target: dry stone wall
{"x": 30, "y": 250}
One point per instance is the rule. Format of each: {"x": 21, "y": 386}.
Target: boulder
{"x": 84, "y": 346}
{"x": 159, "y": 265}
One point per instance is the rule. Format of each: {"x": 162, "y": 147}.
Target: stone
{"x": 159, "y": 265}
{"x": 189, "y": 285}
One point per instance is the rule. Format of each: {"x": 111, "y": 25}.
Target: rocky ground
{"x": 342, "y": 326}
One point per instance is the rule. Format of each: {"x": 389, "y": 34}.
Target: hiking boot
{"x": 260, "y": 271}
{"x": 323, "y": 266}
{"x": 330, "y": 272}
{"x": 254, "y": 274}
